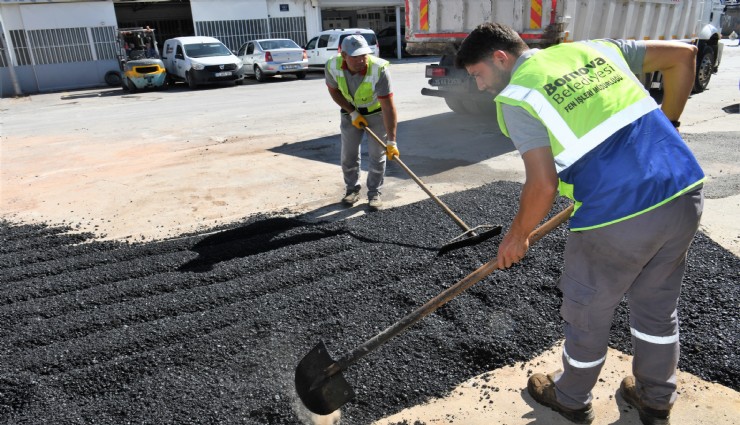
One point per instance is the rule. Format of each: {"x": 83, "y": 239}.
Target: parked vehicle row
{"x": 199, "y": 60}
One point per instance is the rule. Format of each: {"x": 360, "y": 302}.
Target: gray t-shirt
{"x": 382, "y": 87}
{"x": 529, "y": 133}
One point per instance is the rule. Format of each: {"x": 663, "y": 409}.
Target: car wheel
{"x": 190, "y": 80}
{"x": 300, "y": 75}
{"x": 704, "y": 67}
{"x": 258, "y": 74}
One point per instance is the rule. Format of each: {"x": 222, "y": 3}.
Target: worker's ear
{"x": 499, "y": 57}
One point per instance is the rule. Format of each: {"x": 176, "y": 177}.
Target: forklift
{"x": 139, "y": 60}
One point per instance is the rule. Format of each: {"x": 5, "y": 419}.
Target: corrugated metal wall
{"x": 63, "y": 45}
{"x": 237, "y": 32}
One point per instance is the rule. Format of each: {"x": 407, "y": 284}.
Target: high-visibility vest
{"x": 616, "y": 153}
{"x": 365, "y": 96}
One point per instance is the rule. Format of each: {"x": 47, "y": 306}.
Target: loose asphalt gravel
{"x": 208, "y": 328}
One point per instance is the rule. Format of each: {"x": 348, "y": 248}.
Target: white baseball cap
{"x": 356, "y": 45}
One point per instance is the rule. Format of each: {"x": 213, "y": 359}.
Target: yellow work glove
{"x": 358, "y": 120}
{"x": 391, "y": 150}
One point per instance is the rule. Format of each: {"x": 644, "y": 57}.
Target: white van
{"x": 200, "y": 60}
{"x": 327, "y": 44}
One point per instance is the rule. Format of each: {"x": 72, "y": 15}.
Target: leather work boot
{"x": 542, "y": 390}
{"x": 648, "y": 415}
{"x": 352, "y": 196}
{"x": 374, "y": 202}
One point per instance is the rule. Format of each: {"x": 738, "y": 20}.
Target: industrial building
{"x": 51, "y": 45}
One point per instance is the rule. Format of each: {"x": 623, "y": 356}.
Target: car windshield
{"x": 278, "y": 44}
{"x": 203, "y": 50}
{"x": 370, "y": 37}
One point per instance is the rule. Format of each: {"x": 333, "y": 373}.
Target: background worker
{"x": 361, "y": 85}
{"x": 585, "y": 126}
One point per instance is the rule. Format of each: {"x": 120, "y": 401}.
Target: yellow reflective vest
{"x": 365, "y": 96}
{"x": 616, "y": 153}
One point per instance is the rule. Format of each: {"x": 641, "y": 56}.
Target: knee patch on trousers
{"x": 577, "y": 298}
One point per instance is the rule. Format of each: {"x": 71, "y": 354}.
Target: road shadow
{"x": 253, "y": 238}
{"x": 265, "y": 233}
{"x": 542, "y": 415}
{"x": 428, "y": 145}
{"x": 732, "y": 109}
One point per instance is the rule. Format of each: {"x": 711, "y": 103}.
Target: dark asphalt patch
{"x": 208, "y": 328}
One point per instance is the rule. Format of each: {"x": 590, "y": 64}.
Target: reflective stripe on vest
{"x": 578, "y": 131}
{"x": 365, "y": 96}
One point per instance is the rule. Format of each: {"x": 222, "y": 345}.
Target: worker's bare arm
{"x": 677, "y": 62}
{"x": 539, "y": 191}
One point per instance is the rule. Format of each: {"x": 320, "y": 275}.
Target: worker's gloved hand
{"x": 391, "y": 149}
{"x": 358, "y": 120}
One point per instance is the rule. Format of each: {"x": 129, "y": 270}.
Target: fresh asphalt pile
{"x": 208, "y": 328}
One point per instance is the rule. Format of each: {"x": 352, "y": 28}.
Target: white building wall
{"x": 225, "y": 10}
{"x": 72, "y": 62}
{"x": 68, "y": 15}
{"x": 313, "y": 19}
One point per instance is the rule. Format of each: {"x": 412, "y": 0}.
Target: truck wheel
{"x": 191, "y": 81}
{"x": 704, "y": 67}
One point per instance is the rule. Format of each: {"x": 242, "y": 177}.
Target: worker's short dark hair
{"x": 485, "y": 39}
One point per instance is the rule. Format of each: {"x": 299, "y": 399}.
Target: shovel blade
{"x": 320, "y": 393}
{"x": 467, "y": 240}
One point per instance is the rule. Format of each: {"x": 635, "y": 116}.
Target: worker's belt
{"x": 363, "y": 111}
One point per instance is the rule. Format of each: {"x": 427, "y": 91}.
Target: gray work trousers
{"x": 643, "y": 257}
{"x": 351, "y": 140}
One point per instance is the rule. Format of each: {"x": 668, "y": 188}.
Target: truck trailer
{"x": 435, "y": 27}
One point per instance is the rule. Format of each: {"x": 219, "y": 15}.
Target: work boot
{"x": 352, "y": 196}
{"x": 374, "y": 202}
{"x": 648, "y": 415}
{"x": 542, "y": 390}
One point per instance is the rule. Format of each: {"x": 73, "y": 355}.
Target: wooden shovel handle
{"x": 421, "y": 184}
{"x": 441, "y": 299}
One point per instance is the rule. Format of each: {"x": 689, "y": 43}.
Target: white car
{"x": 269, "y": 57}
{"x": 200, "y": 60}
{"x": 327, "y": 44}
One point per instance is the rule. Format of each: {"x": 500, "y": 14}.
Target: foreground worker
{"x": 361, "y": 85}
{"x": 585, "y": 126}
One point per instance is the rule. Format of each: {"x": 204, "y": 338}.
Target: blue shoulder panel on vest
{"x": 638, "y": 167}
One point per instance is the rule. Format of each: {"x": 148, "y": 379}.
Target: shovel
{"x": 470, "y": 236}
{"x": 318, "y": 379}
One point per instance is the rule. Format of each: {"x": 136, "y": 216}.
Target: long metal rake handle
{"x": 441, "y": 299}
{"x": 421, "y": 184}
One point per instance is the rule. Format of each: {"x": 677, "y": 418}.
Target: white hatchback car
{"x": 268, "y": 57}
{"x": 327, "y": 44}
